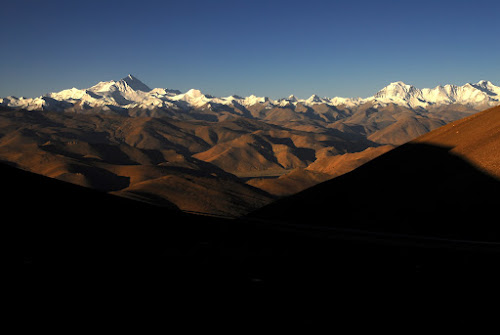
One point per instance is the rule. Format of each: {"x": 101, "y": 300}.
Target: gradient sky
{"x": 268, "y": 48}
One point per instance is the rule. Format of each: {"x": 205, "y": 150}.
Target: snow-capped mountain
{"x": 484, "y": 93}
{"x": 130, "y": 92}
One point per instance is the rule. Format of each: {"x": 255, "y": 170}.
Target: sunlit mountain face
{"x": 129, "y": 93}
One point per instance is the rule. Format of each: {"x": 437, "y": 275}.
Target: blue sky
{"x": 272, "y": 48}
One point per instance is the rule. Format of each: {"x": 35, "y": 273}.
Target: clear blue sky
{"x": 273, "y": 48}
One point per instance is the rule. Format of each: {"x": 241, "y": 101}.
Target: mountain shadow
{"x": 416, "y": 189}
{"x": 84, "y": 244}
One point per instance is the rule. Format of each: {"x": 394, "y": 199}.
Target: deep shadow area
{"x": 416, "y": 189}
{"x": 115, "y": 256}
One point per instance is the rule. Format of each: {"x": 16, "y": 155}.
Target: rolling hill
{"x": 127, "y": 156}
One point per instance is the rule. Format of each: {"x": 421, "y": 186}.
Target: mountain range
{"x": 223, "y": 156}
{"x": 131, "y": 96}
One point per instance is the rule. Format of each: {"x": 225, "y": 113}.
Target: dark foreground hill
{"x": 68, "y": 228}
{"x": 442, "y": 184}
{"x": 110, "y": 260}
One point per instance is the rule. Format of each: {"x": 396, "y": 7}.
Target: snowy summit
{"x": 130, "y": 92}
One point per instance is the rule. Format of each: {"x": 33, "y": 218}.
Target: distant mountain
{"x": 396, "y": 114}
{"x": 483, "y": 93}
{"x": 132, "y": 97}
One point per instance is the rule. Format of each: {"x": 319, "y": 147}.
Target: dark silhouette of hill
{"x": 70, "y": 229}
{"x": 416, "y": 212}
{"x": 93, "y": 252}
{"x": 413, "y": 189}
{"x": 444, "y": 183}
{"x": 119, "y": 259}
{"x": 323, "y": 168}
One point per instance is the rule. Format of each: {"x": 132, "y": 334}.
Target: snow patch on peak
{"x": 253, "y": 100}
{"x": 396, "y": 88}
{"x": 194, "y": 93}
{"x": 313, "y": 99}
{"x": 484, "y": 93}
{"x": 484, "y": 83}
{"x": 103, "y": 86}
{"x": 290, "y": 101}
{"x": 193, "y": 97}
{"x": 70, "y": 94}
{"x": 401, "y": 94}
{"x": 398, "y": 83}
{"x": 487, "y": 87}
{"x": 348, "y": 102}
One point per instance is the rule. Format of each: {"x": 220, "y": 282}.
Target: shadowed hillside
{"x": 433, "y": 189}
{"x": 69, "y": 229}
{"x": 326, "y": 166}
{"x": 415, "y": 188}
{"x": 109, "y": 253}
{"x": 414, "y": 198}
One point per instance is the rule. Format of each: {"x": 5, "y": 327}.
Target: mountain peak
{"x": 314, "y": 98}
{"x": 396, "y": 89}
{"x": 130, "y": 91}
{"x": 135, "y": 83}
{"x": 484, "y": 83}
{"x": 194, "y": 93}
{"x": 103, "y": 86}
{"x": 398, "y": 83}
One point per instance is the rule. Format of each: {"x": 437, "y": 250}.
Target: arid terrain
{"x": 219, "y": 156}
{"x": 225, "y": 168}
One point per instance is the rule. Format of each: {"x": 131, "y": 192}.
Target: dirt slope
{"x": 475, "y": 138}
